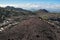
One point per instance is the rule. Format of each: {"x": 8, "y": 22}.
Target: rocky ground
{"x": 21, "y": 24}
{"x": 31, "y": 29}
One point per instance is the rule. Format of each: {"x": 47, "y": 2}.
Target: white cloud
{"x": 30, "y": 5}
{"x": 4, "y": 5}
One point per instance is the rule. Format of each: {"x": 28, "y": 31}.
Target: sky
{"x": 32, "y": 4}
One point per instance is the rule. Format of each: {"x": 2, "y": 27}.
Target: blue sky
{"x": 27, "y": 4}
{"x": 28, "y": 1}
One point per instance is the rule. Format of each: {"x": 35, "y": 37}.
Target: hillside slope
{"x": 30, "y": 29}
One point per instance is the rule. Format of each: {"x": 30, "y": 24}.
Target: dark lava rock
{"x": 30, "y": 29}
{"x": 42, "y": 11}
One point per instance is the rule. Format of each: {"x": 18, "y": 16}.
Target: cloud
{"x": 4, "y": 5}
{"x": 36, "y": 6}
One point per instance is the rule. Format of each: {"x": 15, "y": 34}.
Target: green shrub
{"x": 45, "y": 17}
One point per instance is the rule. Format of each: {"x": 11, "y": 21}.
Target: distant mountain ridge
{"x": 43, "y": 10}
{"x": 20, "y": 10}
{"x": 7, "y": 12}
{"x": 13, "y": 8}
